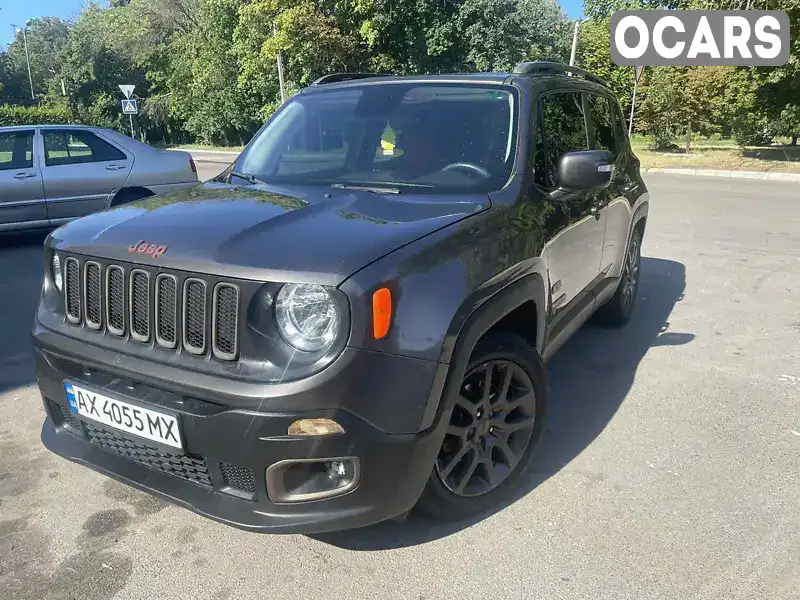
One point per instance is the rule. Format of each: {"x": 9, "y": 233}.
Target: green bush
{"x": 33, "y": 115}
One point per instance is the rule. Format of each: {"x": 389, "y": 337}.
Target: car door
{"x": 607, "y": 133}
{"x": 80, "y": 171}
{"x": 574, "y": 224}
{"x": 22, "y": 202}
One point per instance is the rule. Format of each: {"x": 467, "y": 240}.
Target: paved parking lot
{"x": 671, "y": 467}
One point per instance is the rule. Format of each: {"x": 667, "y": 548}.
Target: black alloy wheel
{"x": 630, "y": 276}
{"x": 490, "y": 428}
{"x": 619, "y": 309}
{"x": 493, "y": 421}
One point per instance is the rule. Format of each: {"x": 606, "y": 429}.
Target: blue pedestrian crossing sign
{"x": 129, "y": 107}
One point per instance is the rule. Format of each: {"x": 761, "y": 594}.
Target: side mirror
{"x": 585, "y": 170}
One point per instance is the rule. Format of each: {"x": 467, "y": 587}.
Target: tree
{"x": 47, "y": 38}
{"x": 13, "y": 84}
{"x": 594, "y": 43}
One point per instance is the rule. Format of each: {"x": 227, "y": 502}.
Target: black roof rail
{"x": 537, "y": 66}
{"x": 337, "y": 77}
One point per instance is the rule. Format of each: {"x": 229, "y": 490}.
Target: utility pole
{"x": 637, "y": 74}
{"x": 27, "y": 56}
{"x": 280, "y": 67}
{"x": 572, "y": 54}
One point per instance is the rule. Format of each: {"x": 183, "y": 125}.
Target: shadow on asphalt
{"x": 21, "y": 271}
{"x": 589, "y": 378}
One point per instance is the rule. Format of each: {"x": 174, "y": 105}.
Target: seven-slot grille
{"x": 162, "y": 309}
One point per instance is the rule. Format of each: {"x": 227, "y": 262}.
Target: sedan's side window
{"x": 603, "y": 123}
{"x": 16, "y": 150}
{"x": 564, "y": 129}
{"x": 71, "y": 147}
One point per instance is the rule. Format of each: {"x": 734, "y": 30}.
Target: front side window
{"x": 71, "y": 147}
{"x": 431, "y": 137}
{"x": 16, "y": 150}
{"x": 564, "y": 129}
{"x": 603, "y": 122}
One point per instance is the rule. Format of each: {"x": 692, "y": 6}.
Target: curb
{"x": 763, "y": 175}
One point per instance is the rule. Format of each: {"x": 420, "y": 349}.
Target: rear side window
{"x": 564, "y": 129}
{"x": 71, "y": 147}
{"x": 605, "y": 123}
{"x": 16, "y": 150}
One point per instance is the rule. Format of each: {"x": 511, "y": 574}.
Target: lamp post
{"x": 27, "y": 56}
{"x": 578, "y": 24}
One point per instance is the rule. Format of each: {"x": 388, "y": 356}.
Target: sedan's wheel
{"x": 493, "y": 429}
{"x": 490, "y": 428}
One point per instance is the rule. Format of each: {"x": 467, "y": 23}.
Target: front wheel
{"x": 494, "y": 428}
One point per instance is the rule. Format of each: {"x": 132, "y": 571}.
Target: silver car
{"x": 51, "y": 174}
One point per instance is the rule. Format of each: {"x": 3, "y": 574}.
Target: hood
{"x": 264, "y": 233}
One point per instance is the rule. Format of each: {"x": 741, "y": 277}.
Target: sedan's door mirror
{"x": 585, "y": 170}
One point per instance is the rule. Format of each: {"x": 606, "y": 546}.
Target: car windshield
{"x": 407, "y": 136}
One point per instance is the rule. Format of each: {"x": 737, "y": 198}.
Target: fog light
{"x": 304, "y": 480}
{"x": 315, "y": 427}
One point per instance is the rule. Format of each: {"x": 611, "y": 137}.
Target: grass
{"x": 723, "y": 155}
{"x": 201, "y": 147}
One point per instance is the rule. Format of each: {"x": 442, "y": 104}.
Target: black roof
{"x": 525, "y": 69}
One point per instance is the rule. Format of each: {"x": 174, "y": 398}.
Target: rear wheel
{"x": 493, "y": 430}
{"x": 619, "y": 309}
{"x": 126, "y": 196}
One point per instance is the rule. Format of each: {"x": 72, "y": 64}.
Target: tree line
{"x": 206, "y": 70}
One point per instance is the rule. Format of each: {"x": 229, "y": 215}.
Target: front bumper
{"x": 222, "y": 472}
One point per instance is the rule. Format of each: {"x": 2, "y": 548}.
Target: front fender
{"x": 448, "y": 289}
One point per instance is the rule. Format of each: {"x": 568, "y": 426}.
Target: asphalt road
{"x": 671, "y": 467}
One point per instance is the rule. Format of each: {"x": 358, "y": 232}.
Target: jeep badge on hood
{"x": 142, "y": 247}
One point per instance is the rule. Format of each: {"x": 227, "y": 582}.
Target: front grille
{"x": 166, "y": 310}
{"x": 92, "y": 293}
{"x": 72, "y": 290}
{"x": 115, "y": 300}
{"x": 67, "y": 418}
{"x": 240, "y": 478}
{"x": 140, "y": 305}
{"x": 194, "y": 316}
{"x": 190, "y": 467}
{"x": 226, "y": 317}
{"x": 170, "y": 310}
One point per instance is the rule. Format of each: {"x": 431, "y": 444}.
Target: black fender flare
{"x": 451, "y": 371}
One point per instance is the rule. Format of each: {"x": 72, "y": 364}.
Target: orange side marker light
{"x": 381, "y": 312}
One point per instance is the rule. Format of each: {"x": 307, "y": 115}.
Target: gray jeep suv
{"x": 353, "y": 319}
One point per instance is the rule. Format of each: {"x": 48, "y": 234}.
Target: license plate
{"x": 138, "y": 421}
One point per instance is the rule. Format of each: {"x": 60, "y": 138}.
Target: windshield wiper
{"x": 246, "y": 176}
{"x": 367, "y": 188}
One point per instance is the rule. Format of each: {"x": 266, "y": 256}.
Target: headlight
{"x": 307, "y": 316}
{"x": 58, "y": 277}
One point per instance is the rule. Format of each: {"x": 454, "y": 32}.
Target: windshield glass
{"x": 430, "y": 137}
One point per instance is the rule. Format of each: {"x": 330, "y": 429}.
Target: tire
{"x": 618, "y": 311}
{"x": 505, "y": 429}
{"x": 126, "y": 196}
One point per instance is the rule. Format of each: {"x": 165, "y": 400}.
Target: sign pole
{"x": 280, "y": 67}
{"x": 638, "y": 73}
{"x": 131, "y": 118}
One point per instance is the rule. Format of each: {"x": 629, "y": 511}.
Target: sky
{"x": 19, "y": 11}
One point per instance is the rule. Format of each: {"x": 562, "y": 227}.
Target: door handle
{"x": 24, "y": 175}
{"x": 114, "y": 167}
